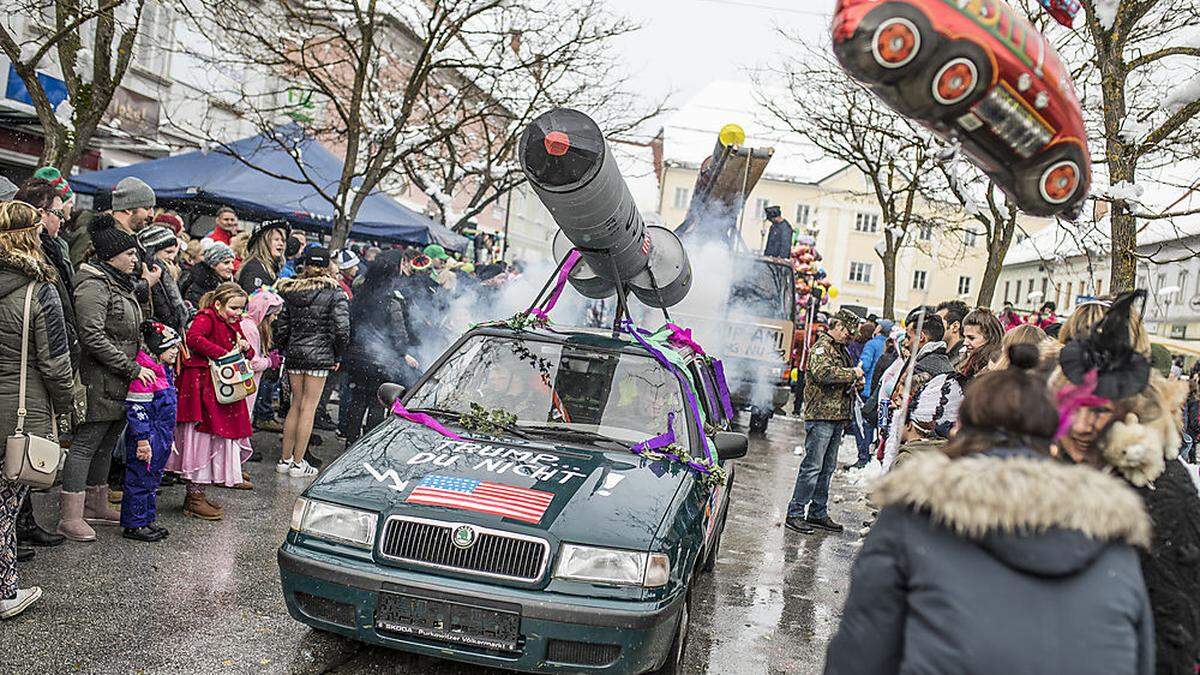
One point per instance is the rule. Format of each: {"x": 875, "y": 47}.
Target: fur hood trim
{"x": 34, "y": 268}
{"x": 299, "y": 285}
{"x": 982, "y": 494}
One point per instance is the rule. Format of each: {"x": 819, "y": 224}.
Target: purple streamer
{"x": 569, "y": 264}
{"x": 657, "y": 442}
{"x": 424, "y": 420}
{"x": 693, "y": 406}
{"x": 683, "y": 337}
{"x": 723, "y": 388}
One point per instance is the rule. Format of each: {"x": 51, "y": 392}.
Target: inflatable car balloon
{"x": 976, "y": 72}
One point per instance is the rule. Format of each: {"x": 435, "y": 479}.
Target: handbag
{"x": 28, "y": 459}
{"x": 232, "y": 376}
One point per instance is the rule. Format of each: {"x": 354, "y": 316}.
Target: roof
{"x": 691, "y": 132}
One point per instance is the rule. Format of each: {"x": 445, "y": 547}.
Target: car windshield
{"x": 552, "y": 386}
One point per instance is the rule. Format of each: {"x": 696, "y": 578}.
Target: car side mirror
{"x": 389, "y": 392}
{"x": 731, "y": 445}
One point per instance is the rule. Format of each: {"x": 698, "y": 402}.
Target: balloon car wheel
{"x": 1059, "y": 181}
{"x": 955, "y": 81}
{"x": 896, "y": 43}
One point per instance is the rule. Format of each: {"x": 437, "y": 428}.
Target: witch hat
{"x": 1121, "y": 370}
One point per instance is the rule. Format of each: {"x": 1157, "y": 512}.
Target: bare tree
{"x": 845, "y": 121}
{"x": 429, "y": 93}
{"x": 1138, "y": 66}
{"x": 92, "y": 42}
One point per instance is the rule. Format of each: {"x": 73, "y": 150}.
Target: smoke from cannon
{"x": 573, "y": 171}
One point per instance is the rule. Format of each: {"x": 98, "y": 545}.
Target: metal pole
{"x": 507, "y": 216}
{"x": 912, "y": 365}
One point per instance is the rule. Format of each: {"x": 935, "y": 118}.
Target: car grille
{"x": 581, "y": 653}
{"x": 494, "y": 553}
{"x": 1012, "y": 121}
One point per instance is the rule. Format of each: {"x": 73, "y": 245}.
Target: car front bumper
{"x": 347, "y": 592}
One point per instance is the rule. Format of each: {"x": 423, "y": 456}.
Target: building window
{"x": 1179, "y": 331}
{"x": 1017, "y": 298}
{"x": 964, "y": 285}
{"x": 1182, "y": 283}
{"x": 925, "y": 233}
{"x": 860, "y": 272}
{"x": 154, "y": 37}
{"x": 866, "y": 222}
{"x": 1070, "y": 296}
{"x": 1099, "y": 287}
{"x": 1045, "y": 285}
{"x": 919, "y": 279}
{"x": 802, "y": 214}
{"x": 1006, "y": 285}
{"x": 969, "y": 239}
{"x": 760, "y": 208}
{"x": 681, "y": 197}
{"x": 1030, "y": 291}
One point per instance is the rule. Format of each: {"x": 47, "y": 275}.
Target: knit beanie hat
{"x": 109, "y": 240}
{"x": 218, "y": 253}
{"x": 158, "y": 337}
{"x": 316, "y": 256}
{"x": 156, "y": 238}
{"x": 132, "y": 193}
{"x": 102, "y": 200}
{"x": 346, "y": 259}
{"x": 55, "y": 178}
{"x": 7, "y": 189}
{"x": 169, "y": 221}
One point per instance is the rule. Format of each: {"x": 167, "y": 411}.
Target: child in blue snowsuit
{"x": 150, "y": 435}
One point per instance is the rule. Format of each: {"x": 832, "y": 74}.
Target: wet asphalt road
{"x": 207, "y": 599}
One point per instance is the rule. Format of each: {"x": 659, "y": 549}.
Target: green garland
{"x": 484, "y": 421}
{"x": 712, "y": 475}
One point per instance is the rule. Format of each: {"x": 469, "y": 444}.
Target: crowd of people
{"x": 1035, "y": 512}
{"x": 130, "y": 320}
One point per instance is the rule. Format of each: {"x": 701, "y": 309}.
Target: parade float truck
{"x": 751, "y": 326}
{"x": 544, "y": 498}
{"x": 976, "y": 73}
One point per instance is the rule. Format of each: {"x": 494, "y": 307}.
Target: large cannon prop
{"x": 978, "y": 73}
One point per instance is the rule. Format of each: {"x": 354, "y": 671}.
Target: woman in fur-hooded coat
{"x": 992, "y": 558}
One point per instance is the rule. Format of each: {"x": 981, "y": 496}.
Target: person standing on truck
{"x": 779, "y": 237}
{"x": 829, "y": 390}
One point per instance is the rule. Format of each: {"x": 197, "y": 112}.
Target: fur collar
{"x": 984, "y": 494}
{"x": 34, "y": 268}
{"x": 300, "y": 284}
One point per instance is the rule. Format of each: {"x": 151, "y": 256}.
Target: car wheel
{"x": 759, "y": 421}
{"x": 1052, "y": 181}
{"x": 892, "y": 41}
{"x": 953, "y": 81}
{"x": 674, "y": 662}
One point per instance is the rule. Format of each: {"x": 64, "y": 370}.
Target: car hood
{"x": 595, "y": 496}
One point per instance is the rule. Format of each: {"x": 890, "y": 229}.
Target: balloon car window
{"x": 624, "y": 396}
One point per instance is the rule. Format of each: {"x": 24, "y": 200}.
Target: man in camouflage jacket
{"x": 829, "y": 386}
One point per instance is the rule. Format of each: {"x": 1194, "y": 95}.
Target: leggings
{"x": 11, "y": 495}
{"x": 91, "y": 454}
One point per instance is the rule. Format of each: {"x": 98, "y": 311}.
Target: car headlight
{"x": 330, "y": 521}
{"x": 613, "y": 566}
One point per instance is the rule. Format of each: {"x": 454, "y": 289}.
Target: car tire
{"x": 956, "y": 79}
{"x": 861, "y": 55}
{"x": 759, "y": 421}
{"x": 1032, "y": 179}
{"x": 675, "y": 655}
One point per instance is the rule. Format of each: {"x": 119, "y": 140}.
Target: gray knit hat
{"x": 132, "y": 193}
{"x": 155, "y": 238}
{"x": 218, "y": 253}
{"x": 7, "y": 189}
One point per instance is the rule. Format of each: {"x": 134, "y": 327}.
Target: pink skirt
{"x": 207, "y": 459}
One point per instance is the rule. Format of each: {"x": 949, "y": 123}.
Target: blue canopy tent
{"x": 257, "y": 177}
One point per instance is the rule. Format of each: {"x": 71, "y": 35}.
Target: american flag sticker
{"x": 508, "y": 501}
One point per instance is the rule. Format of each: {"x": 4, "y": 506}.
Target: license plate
{"x": 452, "y": 622}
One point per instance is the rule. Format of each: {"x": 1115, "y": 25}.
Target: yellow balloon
{"x": 732, "y": 134}
{"x": 833, "y": 292}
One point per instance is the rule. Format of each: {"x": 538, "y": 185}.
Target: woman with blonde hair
{"x": 47, "y": 372}
{"x": 1025, "y": 334}
{"x": 264, "y": 256}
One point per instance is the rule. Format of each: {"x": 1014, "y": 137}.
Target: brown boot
{"x": 96, "y": 509}
{"x": 196, "y": 507}
{"x": 70, "y": 518}
{"x": 214, "y": 505}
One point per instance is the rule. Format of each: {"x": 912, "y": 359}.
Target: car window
{"x": 624, "y": 396}
{"x": 709, "y": 397}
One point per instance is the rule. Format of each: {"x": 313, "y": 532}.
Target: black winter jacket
{"x": 55, "y": 251}
{"x": 166, "y": 303}
{"x": 379, "y": 333}
{"x": 200, "y": 279}
{"x": 254, "y": 274}
{"x": 1004, "y": 563}
{"x": 313, "y": 328}
{"x": 1171, "y": 568}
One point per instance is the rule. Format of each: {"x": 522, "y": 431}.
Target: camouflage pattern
{"x": 848, "y": 319}
{"x": 828, "y": 382}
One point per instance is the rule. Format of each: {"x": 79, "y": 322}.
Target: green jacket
{"x": 828, "y": 380}
{"x": 108, "y": 318}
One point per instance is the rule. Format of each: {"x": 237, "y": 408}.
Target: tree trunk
{"x": 1124, "y": 243}
{"x": 1001, "y": 240}
{"x": 341, "y": 232}
{"x": 889, "y": 284}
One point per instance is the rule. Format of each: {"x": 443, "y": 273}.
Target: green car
{"x": 531, "y": 539}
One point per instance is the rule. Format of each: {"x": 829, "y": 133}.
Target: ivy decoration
{"x": 708, "y": 474}
{"x": 484, "y": 421}
{"x": 527, "y": 321}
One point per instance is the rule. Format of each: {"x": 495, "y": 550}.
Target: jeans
{"x": 264, "y": 405}
{"x": 821, "y": 441}
{"x": 91, "y": 454}
{"x": 865, "y": 438}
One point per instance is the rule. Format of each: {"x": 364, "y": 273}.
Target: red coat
{"x": 210, "y": 337}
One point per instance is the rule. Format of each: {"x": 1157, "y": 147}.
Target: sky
{"x": 684, "y": 44}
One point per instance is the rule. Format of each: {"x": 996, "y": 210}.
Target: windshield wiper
{"x": 455, "y": 417}
{"x": 576, "y": 434}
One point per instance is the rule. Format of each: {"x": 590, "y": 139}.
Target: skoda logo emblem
{"x": 463, "y": 536}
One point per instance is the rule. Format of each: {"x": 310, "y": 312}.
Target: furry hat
{"x": 1139, "y": 445}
